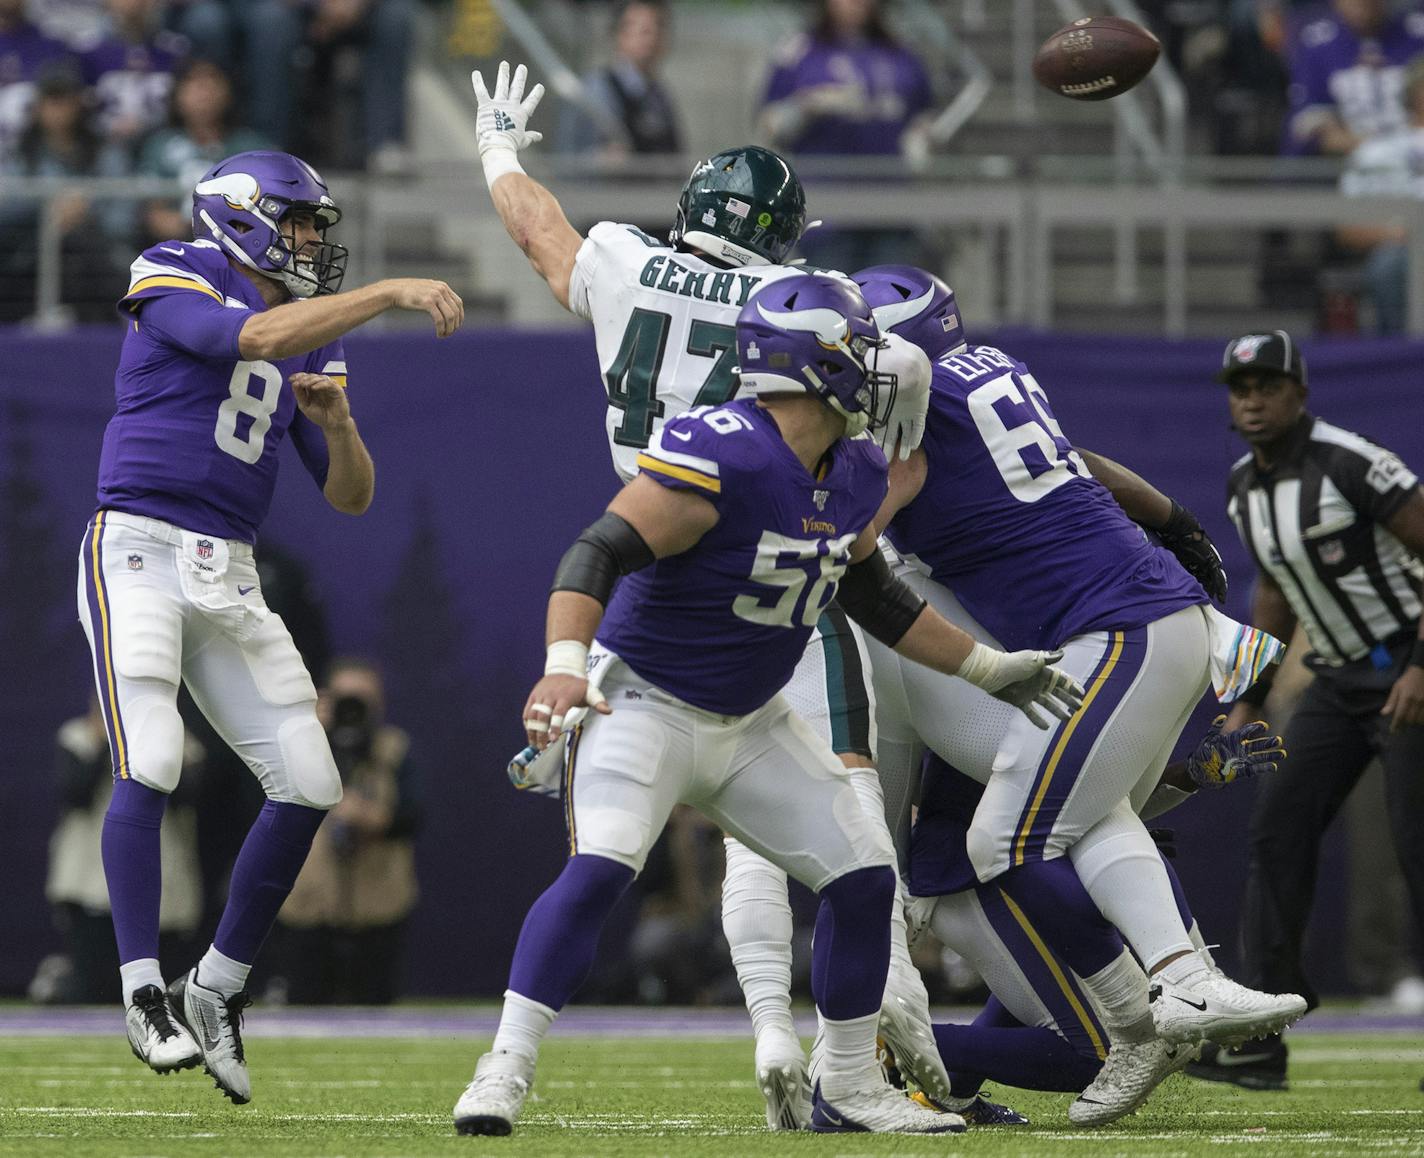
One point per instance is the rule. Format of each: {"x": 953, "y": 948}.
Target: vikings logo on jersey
{"x": 723, "y": 625}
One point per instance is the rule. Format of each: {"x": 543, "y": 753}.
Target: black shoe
{"x": 1253, "y": 1065}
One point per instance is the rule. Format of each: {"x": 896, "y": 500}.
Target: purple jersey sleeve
{"x": 310, "y": 442}
{"x": 701, "y": 451}
{"x": 194, "y": 322}
{"x": 306, "y": 435}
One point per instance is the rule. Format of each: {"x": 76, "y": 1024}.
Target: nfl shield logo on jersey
{"x": 819, "y": 498}
{"x": 1332, "y": 551}
{"x": 205, "y": 549}
{"x": 135, "y": 562}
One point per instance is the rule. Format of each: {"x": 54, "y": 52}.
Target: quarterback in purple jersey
{"x": 233, "y": 342}
{"x": 744, "y": 521}
{"x": 1001, "y": 524}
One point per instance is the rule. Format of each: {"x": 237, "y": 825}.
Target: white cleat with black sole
{"x": 878, "y": 1109}
{"x": 782, "y": 1078}
{"x": 496, "y": 1094}
{"x": 215, "y": 1022}
{"x": 1128, "y": 1077}
{"x": 156, "y": 1036}
{"x": 1209, "y": 1006}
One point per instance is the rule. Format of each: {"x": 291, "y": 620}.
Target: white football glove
{"x": 1025, "y": 679}
{"x": 501, "y": 120}
{"x": 905, "y": 424}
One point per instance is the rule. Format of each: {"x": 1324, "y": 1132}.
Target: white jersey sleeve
{"x": 664, "y": 323}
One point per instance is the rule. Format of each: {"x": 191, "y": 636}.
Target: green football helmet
{"x": 743, "y": 206}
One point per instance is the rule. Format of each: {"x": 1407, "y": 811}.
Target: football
{"x": 1096, "y": 58}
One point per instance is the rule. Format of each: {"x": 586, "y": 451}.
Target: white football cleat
{"x": 156, "y": 1036}
{"x": 781, "y": 1076}
{"x": 1212, "y": 1007}
{"x": 878, "y": 1109}
{"x": 495, "y": 1095}
{"x": 905, "y": 1027}
{"x": 215, "y": 1022}
{"x": 1128, "y": 1077}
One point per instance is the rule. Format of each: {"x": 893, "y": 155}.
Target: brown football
{"x": 1096, "y": 58}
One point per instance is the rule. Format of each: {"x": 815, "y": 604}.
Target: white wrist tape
{"x": 981, "y": 667}
{"x": 567, "y": 657}
{"x": 499, "y": 160}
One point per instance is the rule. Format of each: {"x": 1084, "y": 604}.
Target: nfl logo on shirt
{"x": 205, "y": 548}
{"x": 819, "y": 498}
{"x": 135, "y": 562}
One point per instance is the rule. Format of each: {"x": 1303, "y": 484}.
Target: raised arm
{"x": 531, "y": 214}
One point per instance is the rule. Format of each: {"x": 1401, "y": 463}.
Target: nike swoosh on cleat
{"x": 1242, "y": 1059}
{"x": 1199, "y": 1005}
{"x": 831, "y": 1120}
{"x": 1090, "y": 1101}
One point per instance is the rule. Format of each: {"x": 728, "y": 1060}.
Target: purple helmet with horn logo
{"x": 815, "y": 333}
{"x": 240, "y": 203}
{"x": 914, "y": 304}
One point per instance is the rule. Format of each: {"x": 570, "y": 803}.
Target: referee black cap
{"x": 1273, "y": 352}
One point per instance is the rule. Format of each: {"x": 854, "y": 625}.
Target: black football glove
{"x": 1184, "y": 537}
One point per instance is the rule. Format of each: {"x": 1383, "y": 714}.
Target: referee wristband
{"x": 1416, "y": 657}
{"x": 567, "y": 657}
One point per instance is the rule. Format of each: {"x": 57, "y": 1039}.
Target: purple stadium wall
{"x": 490, "y": 456}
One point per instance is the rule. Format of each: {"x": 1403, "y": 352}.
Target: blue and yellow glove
{"x": 1224, "y": 757}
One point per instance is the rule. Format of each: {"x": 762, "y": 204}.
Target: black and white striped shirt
{"x": 1315, "y": 523}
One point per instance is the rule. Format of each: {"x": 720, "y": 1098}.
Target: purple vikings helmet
{"x": 914, "y": 304}
{"x": 240, "y": 203}
{"x": 815, "y": 333}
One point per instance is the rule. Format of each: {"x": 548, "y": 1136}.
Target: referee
{"x": 1335, "y": 525}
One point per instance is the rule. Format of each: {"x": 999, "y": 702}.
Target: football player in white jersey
{"x": 664, "y": 319}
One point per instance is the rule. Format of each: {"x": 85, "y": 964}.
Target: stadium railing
{"x": 1018, "y": 216}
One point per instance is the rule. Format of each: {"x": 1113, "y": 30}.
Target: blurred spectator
{"x": 131, "y": 70}
{"x": 345, "y": 48}
{"x": 343, "y": 927}
{"x": 95, "y": 233}
{"x": 87, "y": 970}
{"x": 380, "y": 33}
{"x": 200, "y": 133}
{"x": 1347, "y": 75}
{"x": 24, "y": 51}
{"x": 1390, "y": 164}
{"x": 846, "y": 86}
{"x": 628, "y": 91}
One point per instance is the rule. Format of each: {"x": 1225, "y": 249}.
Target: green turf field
{"x": 80, "y": 1096}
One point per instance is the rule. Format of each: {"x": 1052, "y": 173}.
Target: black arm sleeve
{"x": 879, "y": 602}
{"x": 607, "y": 549}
